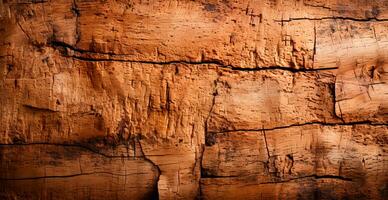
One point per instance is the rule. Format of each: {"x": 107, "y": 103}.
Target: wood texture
{"x": 193, "y": 99}
{"x": 69, "y": 172}
{"x": 297, "y": 158}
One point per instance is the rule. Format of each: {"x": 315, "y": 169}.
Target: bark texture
{"x": 247, "y": 99}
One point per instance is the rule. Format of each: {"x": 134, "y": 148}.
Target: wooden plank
{"x": 67, "y": 172}
{"x": 307, "y": 188}
{"x": 245, "y": 34}
{"x": 268, "y": 99}
{"x": 256, "y": 159}
{"x": 362, "y": 92}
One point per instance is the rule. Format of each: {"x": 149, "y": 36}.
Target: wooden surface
{"x": 50, "y": 171}
{"x": 193, "y": 99}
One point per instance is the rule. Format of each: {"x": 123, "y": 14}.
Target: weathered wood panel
{"x": 246, "y": 34}
{"x": 156, "y": 81}
{"x": 299, "y": 156}
{"x": 45, "y": 171}
{"x": 268, "y": 99}
{"x": 362, "y": 92}
{"x": 306, "y": 188}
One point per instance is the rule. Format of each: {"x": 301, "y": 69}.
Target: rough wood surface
{"x": 323, "y": 156}
{"x": 195, "y": 99}
{"x": 49, "y": 171}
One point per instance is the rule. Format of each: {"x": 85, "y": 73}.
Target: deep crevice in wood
{"x": 370, "y": 123}
{"x": 87, "y": 55}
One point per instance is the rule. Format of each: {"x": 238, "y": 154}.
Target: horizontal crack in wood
{"x": 334, "y": 18}
{"x": 67, "y": 176}
{"x": 314, "y": 176}
{"x": 89, "y": 56}
{"x": 304, "y": 124}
